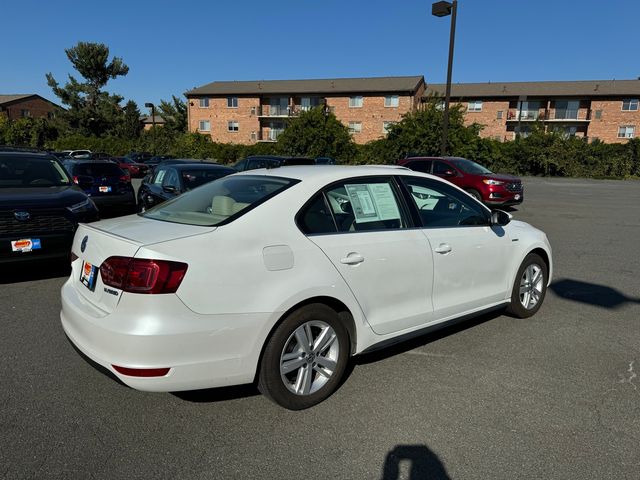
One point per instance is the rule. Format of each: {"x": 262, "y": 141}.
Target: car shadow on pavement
{"x": 212, "y": 395}
{"x": 423, "y": 464}
{"x": 591, "y": 293}
{"x": 34, "y": 270}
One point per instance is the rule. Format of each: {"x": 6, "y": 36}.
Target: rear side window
{"x": 357, "y": 205}
{"x": 98, "y": 170}
{"x": 423, "y": 166}
{"x": 256, "y": 163}
{"x": 221, "y": 201}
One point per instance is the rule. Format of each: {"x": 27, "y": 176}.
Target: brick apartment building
{"x": 257, "y": 111}
{"x": 26, "y": 105}
{"x": 604, "y": 109}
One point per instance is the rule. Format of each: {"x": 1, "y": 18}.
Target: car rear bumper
{"x": 159, "y": 331}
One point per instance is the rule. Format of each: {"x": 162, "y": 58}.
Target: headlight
{"x": 488, "y": 181}
{"x": 82, "y": 206}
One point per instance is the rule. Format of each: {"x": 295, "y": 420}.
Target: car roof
{"x": 329, "y": 173}
{"x": 191, "y": 166}
{"x": 27, "y": 154}
{"x": 82, "y": 161}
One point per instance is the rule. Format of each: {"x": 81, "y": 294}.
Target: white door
{"x": 470, "y": 256}
{"x": 388, "y": 267}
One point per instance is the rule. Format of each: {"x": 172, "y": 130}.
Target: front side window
{"x": 233, "y": 126}
{"x": 474, "y": 106}
{"x": 204, "y": 102}
{"x": 441, "y": 205}
{"x": 355, "y": 127}
{"x": 391, "y": 101}
{"x": 626, "y": 131}
{"x": 441, "y": 168}
{"x": 159, "y": 176}
{"x": 356, "y": 101}
{"x": 630, "y": 105}
{"x": 232, "y": 102}
{"x": 221, "y": 201}
{"x": 171, "y": 179}
{"x": 423, "y": 166}
{"x": 204, "y": 126}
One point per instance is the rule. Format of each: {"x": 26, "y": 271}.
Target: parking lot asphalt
{"x": 555, "y": 396}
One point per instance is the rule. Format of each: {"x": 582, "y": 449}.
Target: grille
{"x": 514, "y": 187}
{"x": 48, "y": 221}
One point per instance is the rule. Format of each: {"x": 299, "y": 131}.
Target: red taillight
{"x": 75, "y": 179}
{"x": 141, "y": 275}
{"x": 141, "y": 372}
{"x": 125, "y": 178}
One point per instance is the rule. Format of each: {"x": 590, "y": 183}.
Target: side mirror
{"x": 170, "y": 189}
{"x": 500, "y": 218}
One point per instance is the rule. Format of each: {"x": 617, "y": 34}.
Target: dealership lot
{"x": 554, "y": 396}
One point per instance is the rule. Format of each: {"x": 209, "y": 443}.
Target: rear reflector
{"x": 141, "y": 372}
{"x": 141, "y": 275}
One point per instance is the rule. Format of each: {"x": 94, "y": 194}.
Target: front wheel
{"x": 305, "y": 358}
{"x": 530, "y": 287}
{"x": 475, "y": 194}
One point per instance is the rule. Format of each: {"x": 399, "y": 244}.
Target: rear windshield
{"x": 467, "y": 166}
{"x": 38, "y": 172}
{"x": 194, "y": 178}
{"x": 97, "y": 169}
{"x": 220, "y": 201}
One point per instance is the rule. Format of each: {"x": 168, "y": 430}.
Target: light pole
{"x": 153, "y": 124}
{"x": 443, "y": 9}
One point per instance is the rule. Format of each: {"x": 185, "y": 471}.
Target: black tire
{"x": 516, "y": 307}
{"x": 270, "y": 381}
{"x": 475, "y": 194}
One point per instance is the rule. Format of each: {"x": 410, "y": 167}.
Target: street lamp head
{"x": 149, "y": 105}
{"x": 441, "y": 9}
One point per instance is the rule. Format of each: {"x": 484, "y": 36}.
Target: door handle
{"x": 352, "y": 259}
{"x": 443, "y": 248}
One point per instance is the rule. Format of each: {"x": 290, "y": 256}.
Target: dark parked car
{"x": 478, "y": 181}
{"x": 139, "y": 157}
{"x": 171, "y": 180}
{"x": 270, "y": 161}
{"x": 107, "y": 184}
{"x": 100, "y": 156}
{"x": 135, "y": 169}
{"x": 325, "y": 161}
{"x": 156, "y": 159}
{"x": 40, "y": 207}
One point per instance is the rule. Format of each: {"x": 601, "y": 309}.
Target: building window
{"x": 25, "y": 113}
{"x": 630, "y": 105}
{"x": 391, "y": 101}
{"x": 386, "y": 125}
{"x": 355, "y": 127}
{"x": 51, "y": 115}
{"x": 474, "y": 106}
{"x": 355, "y": 102}
{"x": 205, "y": 126}
{"x": 598, "y": 114}
{"x": 232, "y": 102}
{"x": 204, "y": 102}
{"x": 626, "y": 131}
{"x": 499, "y": 115}
{"x": 233, "y": 126}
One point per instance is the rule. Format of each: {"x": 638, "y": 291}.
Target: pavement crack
{"x": 631, "y": 374}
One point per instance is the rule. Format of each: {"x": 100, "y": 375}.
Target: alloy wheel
{"x": 531, "y": 286}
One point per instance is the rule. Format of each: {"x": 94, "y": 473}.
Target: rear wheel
{"x": 304, "y": 358}
{"x": 530, "y": 287}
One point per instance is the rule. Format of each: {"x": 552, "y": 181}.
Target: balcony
{"x": 269, "y": 135}
{"x": 281, "y": 111}
{"x": 553, "y": 115}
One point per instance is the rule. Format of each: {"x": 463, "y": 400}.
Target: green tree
{"x": 317, "y": 134}
{"x": 174, "y": 113}
{"x": 130, "y": 125}
{"x": 91, "y": 110}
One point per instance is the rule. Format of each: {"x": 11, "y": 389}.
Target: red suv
{"x": 479, "y": 182}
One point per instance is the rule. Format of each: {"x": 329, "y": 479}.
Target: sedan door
{"x": 470, "y": 256}
{"x": 362, "y": 227}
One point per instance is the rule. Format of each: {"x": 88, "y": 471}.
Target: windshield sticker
{"x": 372, "y": 202}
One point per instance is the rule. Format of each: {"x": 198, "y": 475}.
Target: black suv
{"x": 270, "y": 161}
{"x": 40, "y": 207}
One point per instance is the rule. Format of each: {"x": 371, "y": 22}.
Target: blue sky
{"x": 173, "y": 46}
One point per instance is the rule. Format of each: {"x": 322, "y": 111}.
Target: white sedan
{"x": 279, "y": 276}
